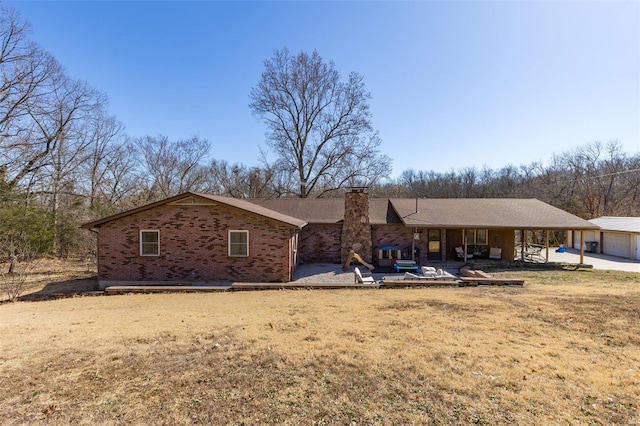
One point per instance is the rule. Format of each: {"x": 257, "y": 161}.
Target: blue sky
{"x": 454, "y": 84}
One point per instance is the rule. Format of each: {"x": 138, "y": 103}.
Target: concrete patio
{"x": 598, "y": 261}
{"x": 329, "y": 273}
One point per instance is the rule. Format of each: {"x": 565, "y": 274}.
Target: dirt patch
{"x": 52, "y": 277}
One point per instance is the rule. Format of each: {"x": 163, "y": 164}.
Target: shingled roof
{"x": 193, "y": 196}
{"x": 493, "y": 213}
{"x": 486, "y": 213}
{"x": 496, "y": 213}
{"x": 329, "y": 210}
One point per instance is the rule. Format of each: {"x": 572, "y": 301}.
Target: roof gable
{"x": 192, "y": 201}
{"x": 193, "y": 198}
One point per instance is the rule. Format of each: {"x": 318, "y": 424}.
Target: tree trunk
{"x": 12, "y": 263}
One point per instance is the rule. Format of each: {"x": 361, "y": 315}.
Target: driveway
{"x": 599, "y": 261}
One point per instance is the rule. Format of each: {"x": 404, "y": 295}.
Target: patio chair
{"x": 495, "y": 253}
{"x": 363, "y": 280}
{"x": 460, "y": 253}
{"x": 428, "y": 271}
{"x": 533, "y": 253}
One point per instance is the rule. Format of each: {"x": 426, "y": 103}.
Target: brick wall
{"x": 401, "y": 237}
{"x": 320, "y": 243}
{"x": 193, "y": 246}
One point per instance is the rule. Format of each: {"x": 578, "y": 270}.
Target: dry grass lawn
{"x": 565, "y": 349}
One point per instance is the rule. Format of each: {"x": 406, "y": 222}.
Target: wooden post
{"x": 522, "y": 245}
{"x": 443, "y": 244}
{"x": 464, "y": 243}
{"x": 581, "y": 246}
{"x": 546, "y": 245}
{"x": 413, "y": 243}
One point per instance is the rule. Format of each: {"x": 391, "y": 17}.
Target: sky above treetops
{"x": 454, "y": 84}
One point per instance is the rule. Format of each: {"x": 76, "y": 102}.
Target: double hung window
{"x": 149, "y": 243}
{"x": 238, "y": 243}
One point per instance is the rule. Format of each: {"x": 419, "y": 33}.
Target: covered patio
{"x": 478, "y": 225}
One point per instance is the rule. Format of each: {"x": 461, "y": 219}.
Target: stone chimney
{"x": 356, "y": 231}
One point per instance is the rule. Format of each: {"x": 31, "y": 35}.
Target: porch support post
{"x": 413, "y": 244}
{"x": 443, "y": 244}
{"x": 522, "y": 245}
{"x": 464, "y": 242}
{"x": 581, "y": 246}
{"x": 546, "y": 246}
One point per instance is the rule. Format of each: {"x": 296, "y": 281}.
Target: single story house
{"x": 617, "y": 236}
{"x": 195, "y": 237}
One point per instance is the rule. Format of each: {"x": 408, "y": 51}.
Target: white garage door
{"x": 616, "y": 244}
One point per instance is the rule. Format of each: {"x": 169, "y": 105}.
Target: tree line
{"x": 592, "y": 180}
{"x": 64, "y": 160}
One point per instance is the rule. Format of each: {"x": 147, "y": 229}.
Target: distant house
{"x": 203, "y": 238}
{"x": 617, "y": 236}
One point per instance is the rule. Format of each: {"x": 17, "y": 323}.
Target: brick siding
{"x": 320, "y": 243}
{"x": 194, "y": 246}
{"x": 401, "y": 237}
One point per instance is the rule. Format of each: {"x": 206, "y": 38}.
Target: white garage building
{"x": 618, "y": 236}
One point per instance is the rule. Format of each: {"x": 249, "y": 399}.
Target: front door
{"x": 434, "y": 245}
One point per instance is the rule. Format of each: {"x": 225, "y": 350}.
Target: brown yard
{"x": 565, "y": 349}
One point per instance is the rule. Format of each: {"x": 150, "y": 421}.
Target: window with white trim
{"x": 238, "y": 243}
{"x": 149, "y": 242}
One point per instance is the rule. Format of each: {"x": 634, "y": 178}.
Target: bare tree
{"x": 24, "y": 70}
{"x": 51, "y": 121}
{"x": 319, "y": 127}
{"x": 595, "y": 172}
{"x": 122, "y": 181}
{"x": 611, "y": 181}
{"x": 631, "y": 186}
{"x": 173, "y": 167}
{"x": 110, "y": 165}
{"x": 239, "y": 181}
{"x": 39, "y": 103}
{"x": 21, "y": 257}
{"x": 591, "y": 180}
